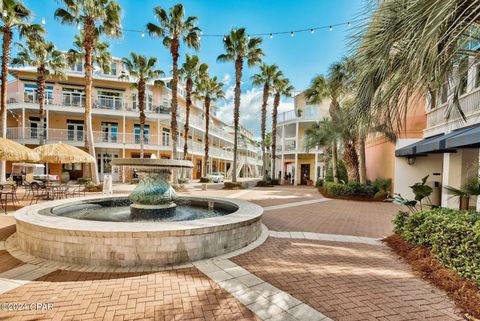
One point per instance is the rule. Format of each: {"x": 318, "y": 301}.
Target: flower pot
{"x": 65, "y": 177}
{"x": 464, "y": 200}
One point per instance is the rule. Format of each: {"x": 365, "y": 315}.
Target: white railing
{"x": 311, "y": 112}
{"x": 470, "y": 104}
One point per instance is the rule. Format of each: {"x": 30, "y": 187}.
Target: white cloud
{"x": 226, "y": 79}
{"x": 250, "y": 109}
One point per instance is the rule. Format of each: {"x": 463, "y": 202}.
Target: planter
{"x": 65, "y": 177}
{"x": 464, "y": 201}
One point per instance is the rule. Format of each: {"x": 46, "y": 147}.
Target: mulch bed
{"x": 359, "y": 198}
{"x": 465, "y": 293}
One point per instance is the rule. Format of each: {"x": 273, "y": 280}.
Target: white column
{"x": 295, "y": 172}
{"x": 315, "y": 171}
{"x": 23, "y": 123}
{"x": 283, "y": 137}
{"x": 282, "y": 166}
{"x": 47, "y": 122}
{"x": 123, "y": 129}
{"x": 452, "y": 176}
{"x": 296, "y": 137}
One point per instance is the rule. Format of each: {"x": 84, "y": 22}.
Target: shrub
{"x": 92, "y": 187}
{"x": 342, "y": 173}
{"x": 183, "y": 180}
{"x": 263, "y": 184}
{"x": 274, "y": 181}
{"x": 84, "y": 180}
{"x": 452, "y": 235}
{"x": 319, "y": 182}
{"x": 179, "y": 187}
{"x": 350, "y": 189}
{"x": 231, "y": 185}
{"x": 205, "y": 179}
{"x": 382, "y": 185}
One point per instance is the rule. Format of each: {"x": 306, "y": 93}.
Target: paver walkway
{"x": 322, "y": 260}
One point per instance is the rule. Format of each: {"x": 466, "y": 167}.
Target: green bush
{"x": 263, "y": 184}
{"x": 319, "y": 182}
{"x": 349, "y": 189}
{"x": 342, "y": 173}
{"x": 231, "y": 185}
{"x": 84, "y": 180}
{"x": 205, "y": 179}
{"x": 452, "y": 235}
{"x": 183, "y": 180}
{"x": 274, "y": 181}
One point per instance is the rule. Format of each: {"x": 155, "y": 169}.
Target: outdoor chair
{"x": 37, "y": 191}
{"x": 8, "y": 191}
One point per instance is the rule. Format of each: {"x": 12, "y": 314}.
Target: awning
{"x": 411, "y": 150}
{"x": 439, "y": 143}
{"x": 468, "y": 138}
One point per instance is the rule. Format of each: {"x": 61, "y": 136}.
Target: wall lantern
{"x": 411, "y": 160}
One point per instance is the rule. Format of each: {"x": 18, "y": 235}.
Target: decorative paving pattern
{"x": 347, "y": 281}
{"x": 327, "y": 237}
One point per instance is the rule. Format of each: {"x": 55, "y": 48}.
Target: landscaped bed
{"x": 444, "y": 246}
{"x": 374, "y": 192}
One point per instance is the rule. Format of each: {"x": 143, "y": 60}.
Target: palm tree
{"x": 281, "y": 87}
{"x": 42, "y": 54}
{"x": 210, "y": 90}
{"x": 97, "y": 17}
{"x": 15, "y": 16}
{"x": 265, "y": 78}
{"x": 190, "y": 71}
{"x": 414, "y": 47}
{"x": 142, "y": 69}
{"x": 239, "y": 47}
{"x": 174, "y": 27}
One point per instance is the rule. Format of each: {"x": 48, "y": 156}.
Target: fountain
{"x": 150, "y": 227}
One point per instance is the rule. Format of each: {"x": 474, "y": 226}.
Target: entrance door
{"x": 104, "y": 161}
{"x": 75, "y": 132}
{"x": 198, "y": 169}
{"x": 305, "y": 172}
{"x": 110, "y": 132}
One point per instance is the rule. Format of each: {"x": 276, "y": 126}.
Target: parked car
{"x": 217, "y": 177}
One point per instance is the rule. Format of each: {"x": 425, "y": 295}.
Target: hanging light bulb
{"x": 331, "y": 28}
{"x": 292, "y": 34}
{"x": 79, "y": 27}
{"x": 224, "y": 38}
{"x": 271, "y": 36}
{"x": 349, "y": 24}
{"x": 312, "y": 31}
{"x": 43, "y": 21}
{"x": 143, "y": 35}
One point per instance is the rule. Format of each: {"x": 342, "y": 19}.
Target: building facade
{"x": 294, "y": 162}
{"x": 115, "y": 120}
{"x": 449, "y": 149}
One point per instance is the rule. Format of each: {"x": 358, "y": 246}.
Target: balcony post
{"x": 315, "y": 169}
{"x": 282, "y": 166}
{"x": 123, "y": 131}
{"x": 23, "y": 123}
{"x": 295, "y": 171}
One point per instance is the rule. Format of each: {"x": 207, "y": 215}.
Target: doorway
{"x": 104, "y": 160}
{"x": 305, "y": 171}
{"x": 198, "y": 169}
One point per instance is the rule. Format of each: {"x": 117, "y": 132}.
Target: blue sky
{"x": 300, "y": 57}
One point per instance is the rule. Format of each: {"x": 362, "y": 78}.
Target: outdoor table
{"x": 50, "y": 185}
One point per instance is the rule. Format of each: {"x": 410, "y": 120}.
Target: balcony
{"x": 31, "y": 135}
{"x": 437, "y": 120}
{"x": 309, "y": 113}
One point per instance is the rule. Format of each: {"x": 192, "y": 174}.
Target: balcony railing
{"x": 113, "y": 139}
{"x": 310, "y": 112}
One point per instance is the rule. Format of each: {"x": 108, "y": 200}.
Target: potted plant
{"x": 470, "y": 188}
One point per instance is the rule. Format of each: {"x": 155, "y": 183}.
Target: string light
{"x": 224, "y": 38}
{"x": 271, "y": 36}
{"x": 43, "y": 21}
{"x": 292, "y": 34}
{"x": 330, "y": 28}
{"x": 312, "y": 31}
{"x": 79, "y": 27}
{"x": 143, "y": 34}
{"x": 349, "y": 24}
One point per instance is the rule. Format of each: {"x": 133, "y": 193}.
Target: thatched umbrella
{"x": 15, "y": 152}
{"x": 63, "y": 154}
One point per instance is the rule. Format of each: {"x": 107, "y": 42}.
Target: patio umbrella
{"x": 15, "y": 152}
{"x": 63, "y": 154}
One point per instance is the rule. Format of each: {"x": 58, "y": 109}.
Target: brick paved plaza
{"x": 336, "y": 270}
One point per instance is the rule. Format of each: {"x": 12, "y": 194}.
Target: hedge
{"x": 453, "y": 236}
{"x": 349, "y": 189}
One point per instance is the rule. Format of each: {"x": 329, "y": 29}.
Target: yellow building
{"x": 294, "y": 162}
{"x": 115, "y": 120}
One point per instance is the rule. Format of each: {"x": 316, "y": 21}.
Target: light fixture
{"x": 292, "y": 34}
{"x": 224, "y": 38}
{"x": 411, "y": 160}
{"x": 312, "y": 31}
{"x": 271, "y": 36}
{"x": 349, "y": 24}
{"x": 79, "y": 27}
{"x": 331, "y": 28}
{"x": 143, "y": 35}
{"x": 43, "y": 21}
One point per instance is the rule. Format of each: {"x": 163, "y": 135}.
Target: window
{"x": 110, "y": 132}
{"x": 463, "y": 74}
{"x": 165, "y": 137}
{"x": 109, "y": 100}
{"x": 73, "y": 97}
{"x": 113, "y": 69}
{"x": 75, "y": 130}
{"x": 30, "y": 94}
{"x": 34, "y": 126}
{"x": 146, "y": 133}
{"x": 148, "y": 101}
{"x": 77, "y": 66}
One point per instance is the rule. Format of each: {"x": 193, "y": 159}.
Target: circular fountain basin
{"x": 224, "y": 225}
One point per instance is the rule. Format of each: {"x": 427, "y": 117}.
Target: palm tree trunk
{"x": 188, "y": 88}
{"x": 141, "y": 108}
{"x": 207, "y": 125}
{"x": 173, "y": 122}
{"x": 335, "y": 161}
{"x": 276, "y": 103}
{"x": 350, "y": 158}
{"x": 6, "y": 44}
{"x": 362, "y": 161}
{"x": 89, "y": 31}
{"x": 41, "y": 101}
{"x": 236, "y": 113}
{"x": 264, "y": 125}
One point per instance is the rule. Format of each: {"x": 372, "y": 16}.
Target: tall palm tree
{"x": 210, "y": 90}
{"x": 189, "y": 72}
{"x": 281, "y": 87}
{"x": 142, "y": 69}
{"x": 174, "y": 27}
{"x": 42, "y": 54}
{"x": 15, "y": 16}
{"x": 95, "y": 17}
{"x": 238, "y": 48}
{"x": 265, "y": 79}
